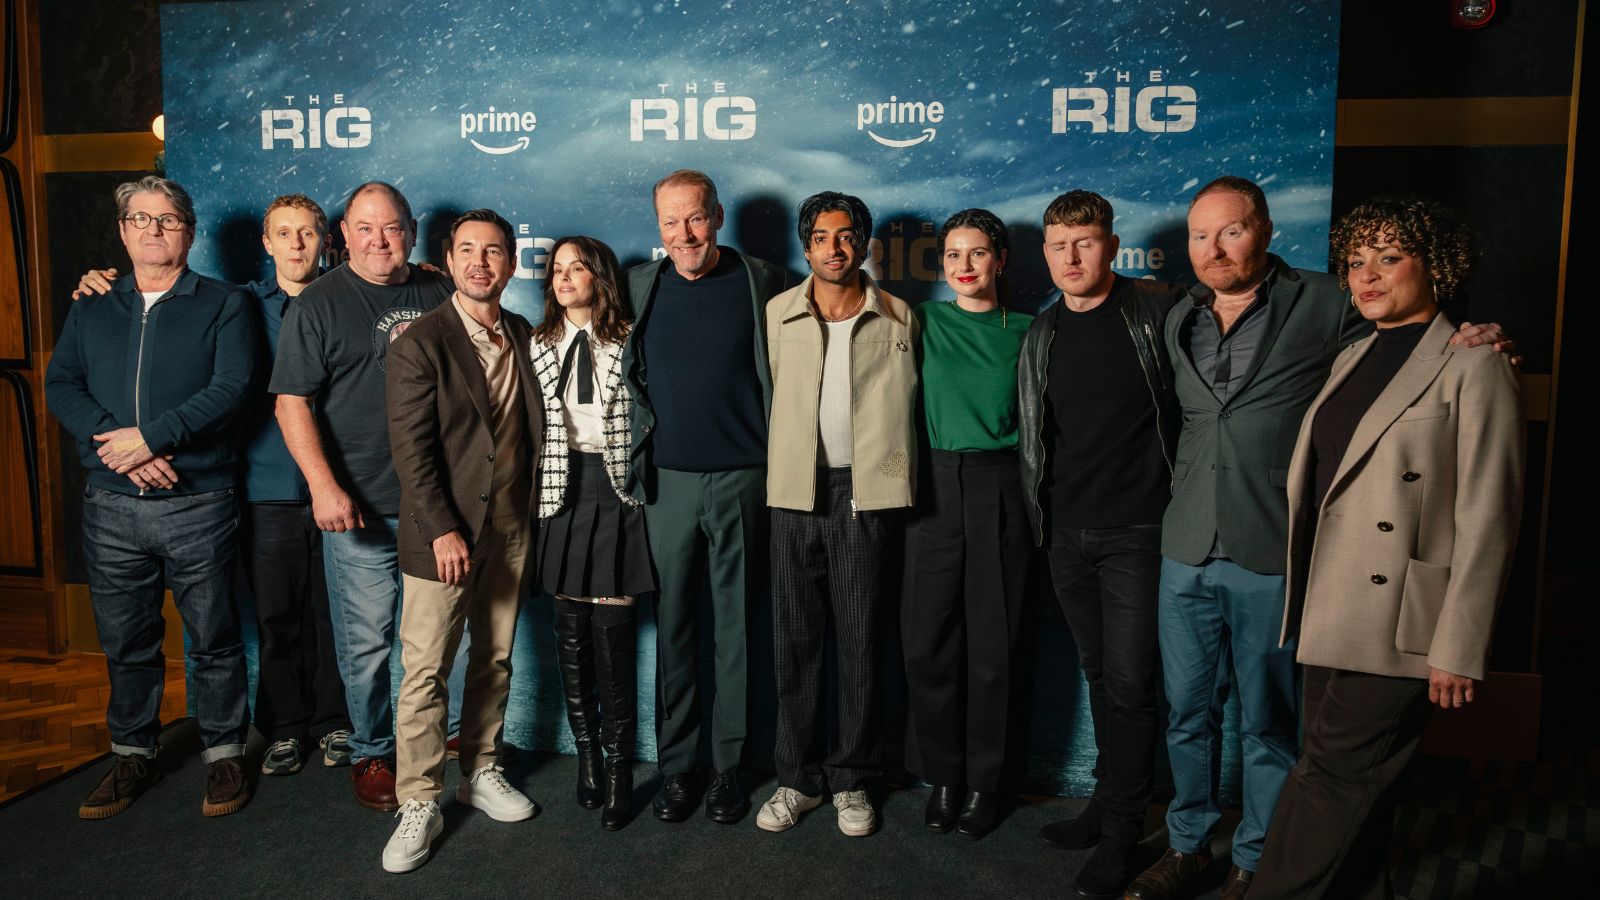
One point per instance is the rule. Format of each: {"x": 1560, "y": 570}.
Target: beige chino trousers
{"x": 431, "y": 623}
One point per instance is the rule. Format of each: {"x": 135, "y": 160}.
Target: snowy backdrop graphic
{"x": 561, "y": 118}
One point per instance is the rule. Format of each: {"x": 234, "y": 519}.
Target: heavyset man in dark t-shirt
{"x": 329, "y": 378}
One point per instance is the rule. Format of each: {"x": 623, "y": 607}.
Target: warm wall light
{"x": 158, "y": 126}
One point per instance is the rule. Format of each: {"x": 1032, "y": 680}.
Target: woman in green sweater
{"x": 967, "y": 543}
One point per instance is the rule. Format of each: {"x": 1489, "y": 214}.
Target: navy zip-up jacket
{"x": 179, "y": 373}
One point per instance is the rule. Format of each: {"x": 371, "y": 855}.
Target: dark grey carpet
{"x": 305, "y": 836}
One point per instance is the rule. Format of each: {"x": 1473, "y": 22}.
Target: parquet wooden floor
{"x": 53, "y": 714}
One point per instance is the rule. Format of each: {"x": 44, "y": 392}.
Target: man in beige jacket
{"x": 841, "y": 455}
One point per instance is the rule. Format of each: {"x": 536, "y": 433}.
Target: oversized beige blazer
{"x": 1413, "y": 543}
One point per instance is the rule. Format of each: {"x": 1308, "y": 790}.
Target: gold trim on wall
{"x": 1453, "y": 121}
{"x": 126, "y": 151}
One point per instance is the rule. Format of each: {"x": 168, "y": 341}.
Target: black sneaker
{"x": 335, "y": 748}
{"x": 283, "y": 758}
{"x": 130, "y": 775}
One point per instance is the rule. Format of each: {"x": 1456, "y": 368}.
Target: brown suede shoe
{"x": 1237, "y": 884}
{"x": 373, "y": 779}
{"x": 130, "y": 775}
{"x": 1171, "y": 877}
{"x": 227, "y": 788}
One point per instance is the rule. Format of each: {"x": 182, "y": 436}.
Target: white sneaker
{"x": 857, "y": 818}
{"x": 489, "y": 791}
{"x": 420, "y": 823}
{"x": 784, "y": 809}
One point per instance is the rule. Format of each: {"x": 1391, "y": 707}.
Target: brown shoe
{"x": 227, "y": 788}
{"x": 373, "y": 779}
{"x": 1171, "y": 877}
{"x": 130, "y": 775}
{"x": 1237, "y": 884}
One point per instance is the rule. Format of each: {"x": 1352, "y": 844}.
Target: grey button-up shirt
{"x": 1223, "y": 359}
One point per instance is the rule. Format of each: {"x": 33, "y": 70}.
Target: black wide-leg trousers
{"x": 826, "y": 569}
{"x": 961, "y": 619}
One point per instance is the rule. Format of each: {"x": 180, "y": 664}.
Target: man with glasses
{"x": 149, "y": 378}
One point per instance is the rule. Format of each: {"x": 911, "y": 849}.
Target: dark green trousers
{"x": 700, "y": 522}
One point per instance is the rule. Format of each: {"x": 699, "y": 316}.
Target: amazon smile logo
{"x": 498, "y": 133}
{"x": 899, "y": 120}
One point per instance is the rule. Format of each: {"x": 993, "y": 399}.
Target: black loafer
{"x": 675, "y": 801}
{"x": 979, "y": 815}
{"x": 726, "y": 802}
{"x": 944, "y": 807}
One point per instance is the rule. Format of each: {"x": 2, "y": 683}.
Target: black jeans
{"x": 129, "y": 544}
{"x": 1106, "y": 580}
{"x": 299, "y": 693}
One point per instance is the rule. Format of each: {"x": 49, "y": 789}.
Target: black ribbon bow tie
{"x": 585, "y": 370}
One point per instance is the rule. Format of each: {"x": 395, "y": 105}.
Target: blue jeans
{"x": 1219, "y": 626}
{"x": 363, "y": 574}
{"x": 128, "y": 541}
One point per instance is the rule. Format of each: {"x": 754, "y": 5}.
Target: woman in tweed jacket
{"x": 593, "y": 557}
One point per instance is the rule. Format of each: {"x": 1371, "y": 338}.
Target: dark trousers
{"x": 967, "y": 551}
{"x": 699, "y": 520}
{"x": 1107, "y": 580}
{"x": 131, "y": 544}
{"x": 1330, "y": 833}
{"x": 299, "y": 693}
{"x": 826, "y": 570}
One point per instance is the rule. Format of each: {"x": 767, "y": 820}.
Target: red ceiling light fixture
{"x": 1471, "y": 14}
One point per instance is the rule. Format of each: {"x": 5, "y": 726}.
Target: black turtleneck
{"x": 1336, "y": 421}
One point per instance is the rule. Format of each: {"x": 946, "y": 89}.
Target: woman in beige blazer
{"x": 1404, "y": 499}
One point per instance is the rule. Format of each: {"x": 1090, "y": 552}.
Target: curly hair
{"x": 1424, "y": 228}
{"x": 610, "y": 315}
{"x": 992, "y": 228}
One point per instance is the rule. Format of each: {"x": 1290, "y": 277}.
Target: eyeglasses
{"x": 167, "y": 221}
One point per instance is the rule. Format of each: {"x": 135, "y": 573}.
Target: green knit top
{"x": 969, "y": 375}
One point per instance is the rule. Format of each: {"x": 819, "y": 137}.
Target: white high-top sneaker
{"x": 420, "y": 823}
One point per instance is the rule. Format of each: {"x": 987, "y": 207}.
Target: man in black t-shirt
{"x": 1098, "y": 427}
{"x": 696, "y": 366}
{"x": 329, "y": 378}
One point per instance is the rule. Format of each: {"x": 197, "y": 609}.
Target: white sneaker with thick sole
{"x": 420, "y": 823}
{"x": 857, "y": 818}
{"x": 489, "y": 791}
{"x": 782, "y": 812}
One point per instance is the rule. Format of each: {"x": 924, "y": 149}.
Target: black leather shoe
{"x": 1107, "y": 873}
{"x": 1077, "y": 833}
{"x": 1173, "y": 876}
{"x": 1237, "y": 884}
{"x": 979, "y": 815}
{"x": 675, "y": 801}
{"x": 726, "y": 801}
{"x": 944, "y": 806}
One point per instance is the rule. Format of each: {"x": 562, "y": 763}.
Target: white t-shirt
{"x": 150, "y": 298}
{"x": 834, "y": 431}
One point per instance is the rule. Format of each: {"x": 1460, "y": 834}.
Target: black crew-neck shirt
{"x": 1337, "y": 418}
{"x": 699, "y": 340}
{"x": 1106, "y": 465}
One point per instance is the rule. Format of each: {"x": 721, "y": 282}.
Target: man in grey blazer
{"x": 696, "y": 366}
{"x": 1251, "y": 346}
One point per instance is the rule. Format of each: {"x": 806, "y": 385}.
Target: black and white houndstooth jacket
{"x": 618, "y": 405}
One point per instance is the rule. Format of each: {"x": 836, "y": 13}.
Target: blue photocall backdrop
{"x": 561, "y": 118}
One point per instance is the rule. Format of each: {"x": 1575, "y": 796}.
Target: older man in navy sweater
{"x": 149, "y": 378}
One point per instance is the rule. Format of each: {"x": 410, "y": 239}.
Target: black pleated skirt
{"x": 595, "y": 546}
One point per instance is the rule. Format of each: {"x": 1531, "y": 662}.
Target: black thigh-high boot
{"x": 616, "y": 644}
{"x": 575, "y": 652}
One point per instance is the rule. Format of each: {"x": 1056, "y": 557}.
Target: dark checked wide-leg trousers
{"x": 826, "y": 568}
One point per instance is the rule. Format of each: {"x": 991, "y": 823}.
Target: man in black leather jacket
{"x": 1098, "y": 425}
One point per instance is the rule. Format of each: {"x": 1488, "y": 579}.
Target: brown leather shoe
{"x": 129, "y": 776}
{"x": 1237, "y": 884}
{"x": 227, "y": 788}
{"x": 373, "y": 779}
{"x": 1171, "y": 877}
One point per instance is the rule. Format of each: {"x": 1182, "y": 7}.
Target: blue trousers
{"x": 363, "y": 574}
{"x": 1219, "y": 627}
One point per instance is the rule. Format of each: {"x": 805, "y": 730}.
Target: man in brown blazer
{"x": 464, "y": 425}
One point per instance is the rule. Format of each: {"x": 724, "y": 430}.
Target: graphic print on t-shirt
{"x": 387, "y": 328}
